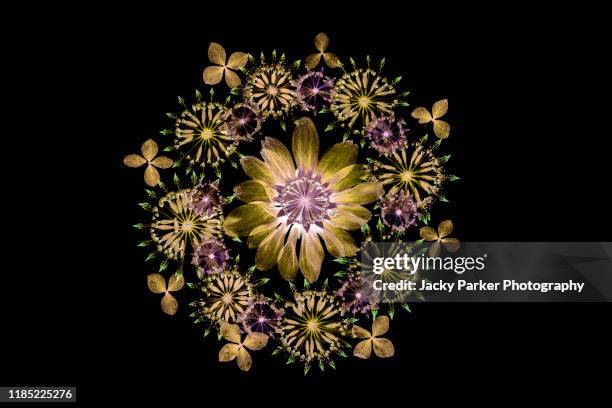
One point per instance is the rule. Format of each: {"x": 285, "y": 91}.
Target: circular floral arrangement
{"x": 268, "y": 242}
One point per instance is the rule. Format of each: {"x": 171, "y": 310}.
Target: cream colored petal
{"x": 312, "y": 61}
{"x": 383, "y": 348}
{"x": 261, "y": 232}
{"x": 232, "y": 79}
{"x": 252, "y": 190}
{"x": 267, "y": 253}
{"x": 169, "y": 305}
{"x": 350, "y": 249}
{"x": 287, "y": 257}
{"x": 439, "y": 108}
{"x": 451, "y": 244}
{"x": 241, "y": 221}
{"x": 213, "y": 75}
{"x": 441, "y": 129}
{"x": 356, "y": 210}
{"x": 363, "y": 349}
{"x": 335, "y": 159}
{"x": 380, "y": 326}
{"x": 228, "y": 352}
{"x": 257, "y": 170}
{"x": 311, "y": 256}
{"x": 230, "y": 332}
{"x": 331, "y": 60}
{"x": 156, "y": 283}
{"x": 428, "y": 234}
{"x": 255, "y": 341}
{"x": 162, "y": 162}
{"x": 348, "y": 179}
{"x": 134, "y": 160}
{"x": 149, "y": 149}
{"x": 305, "y": 145}
{"x": 422, "y": 115}
{"x": 321, "y": 42}
{"x": 176, "y": 282}
{"x": 346, "y": 220}
{"x": 216, "y": 53}
{"x": 360, "y": 333}
{"x": 244, "y": 359}
{"x": 363, "y": 193}
{"x": 151, "y": 176}
{"x": 237, "y": 60}
{"x": 332, "y": 243}
{"x": 277, "y": 157}
{"x": 445, "y": 228}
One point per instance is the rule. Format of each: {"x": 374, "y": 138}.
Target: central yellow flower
{"x": 293, "y": 205}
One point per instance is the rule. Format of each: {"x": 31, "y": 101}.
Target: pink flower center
{"x": 304, "y": 201}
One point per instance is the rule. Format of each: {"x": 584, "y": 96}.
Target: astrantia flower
{"x": 176, "y": 226}
{"x": 225, "y": 296}
{"x": 383, "y": 348}
{"x": 362, "y": 95}
{"x": 357, "y": 296}
{"x": 269, "y": 88}
{"x": 237, "y": 349}
{"x": 262, "y": 316}
{"x": 309, "y": 200}
{"x": 415, "y": 170}
{"x": 241, "y": 122}
{"x": 205, "y": 198}
{"x": 312, "y": 328}
{"x": 149, "y": 150}
{"x": 314, "y": 90}
{"x": 210, "y": 256}
{"x": 200, "y": 136}
{"x": 386, "y": 135}
{"x": 399, "y": 211}
{"x": 214, "y": 73}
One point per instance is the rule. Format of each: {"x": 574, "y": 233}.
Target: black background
{"x": 527, "y": 127}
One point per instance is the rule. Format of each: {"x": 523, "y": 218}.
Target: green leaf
{"x": 138, "y": 226}
{"x": 145, "y": 206}
{"x": 151, "y": 256}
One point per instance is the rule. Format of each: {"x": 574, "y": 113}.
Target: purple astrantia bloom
{"x": 262, "y": 316}
{"x": 314, "y": 90}
{"x": 386, "y": 135}
{"x": 357, "y": 296}
{"x": 211, "y": 256}
{"x": 205, "y": 198}
{"x": 241, "y": 123}
{"x": 399, "y": 212}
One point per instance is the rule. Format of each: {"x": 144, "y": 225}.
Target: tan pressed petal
{"x": 383, "y": 348}
{"x": 311, "y": 256}
{"x": 151, "y": 176}
{"x": 332, "y": 243}
{"x": 228, "y": 352}
{"x": 363, "y": 193}
{"x": 305, "y": 145}
{"x": 439, "y": 109}
{"x": 241, "y": 221}
{"x": 380, "y": 326}
{"x": 261, "y": 232}
{"x": 346, "y": 220}
{"x": 428, "y": 234}
{"x": 230, "y": 332}
{"x": 237, "y": 60}
{"x": 257, "y": 170}
{"x": 451, "y": 244}
{"x": 360, "y": 333}
{"x": 162, "y": 162}
{"x": 331, "y": 60}
{"x": 441, "y": 129}
{"x": 267, "y": 253}
{"x": 434, "y": 250}
{"x": 445, "y": 228}
{"x": 252, "y": 190}
{"x": 255, "y": 341}
{"x": 422, "y": 115}
{"x": 335, "y": 159}
{"x": 321, "y": 42}
{"x": 176, "y": 283}
{"x": 312, "y": 61}
{"x": 134, "y": 160}
{"x": 156, "y": 283}
{"x": 278, "y": 157}
{"x": 213, "y": 75}
{"x": 216, "y": 53}
{"x": 350, "y": 249}
{"x": 348, "y": 180}
{"x": 363, "y": 349}
{"x": 169, "y": 305}
{"x": 287, "y": 257}
{"x": 232, "y": 79}
{"x": 149, "y": 149}
{"x": 244, "y": 359}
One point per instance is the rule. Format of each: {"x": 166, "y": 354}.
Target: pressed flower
{"x": 205, "y": 198}
{"x": 306, "y": 200}
{"x": 225, "y": 296}
{"x": 357, "y": 296}
{"x": 210, "y": 256}
{"x": 157, "y": 284}
{"x": 445, "y": 228}
{"x": 262, "y": 316}
{"x": 237, "y": 349}
{"x": 314, "y": 91}
{"x": 441, "y": 128}
{"x": 399, "y": 211}
{"x": 270, "y": 90}
{"x": 214, "y": 74}
{"x": 321, "y": 42}
{"x": 149, "y": 150}
{"x": 241, "y": 122}
{"x": 383, "y": 348}
{"x": 386, "y": 135}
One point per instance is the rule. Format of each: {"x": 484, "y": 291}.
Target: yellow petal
{"x": 232, "y": 79}
{"x": 347, "y": 177}
{"x": 267, "y": 253}
{"x": 162, "y": 162}
{"x": 244, "y": 359}
{"x": 213, "y": 75}
{"x": 321, "y": 42}
{"x": 311, "y": 256}
{"x": 252, "y": 190}
{"x": 346, "y": 220}
{"x": 134, "y": 160}
{"x": 331, "y": 60}
{"x": 335, "y": 159}
{"x": 151, "y": 176}
{"x": 363, "y": 193}
{"x": 169, "y": 305}
{"x": 350, "y": 249}
{"x": 228, "y": 352}
{"x": 176, "y": 283}
{"x": 241, "y": 221}
{"x": 422, "y": 115}
{"x": 156, "y": 283}
{"x": 261, "y": 232}
{"x": 439, "y": 108}
{"x": 441, "y": 129}
{"x": 383, "y": 348}
{"x": 305, "y": 145}
{"x": 230, "y": 332}
{"x": 380, "y": 326}
{"x": 360, "y": 333}
{"x": 356, "y": 210}
{"x": 312, "y": 61}
{"x": 363, "y": 349}
{"x": 445, "y": 228}
{"x": 149, "y": 149}
{"x": 255, "y": 341}
{"x": 332, "y": 243}
{"x": 216, "y": 53}
{"x": 277, "y": 157}
{"x": 451, "y": 244}
{"x": 257, "y": 170}
{"x": 428, "y": 234}
{"x": 287, "y": 257}
{"x": 237, "y": 60}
